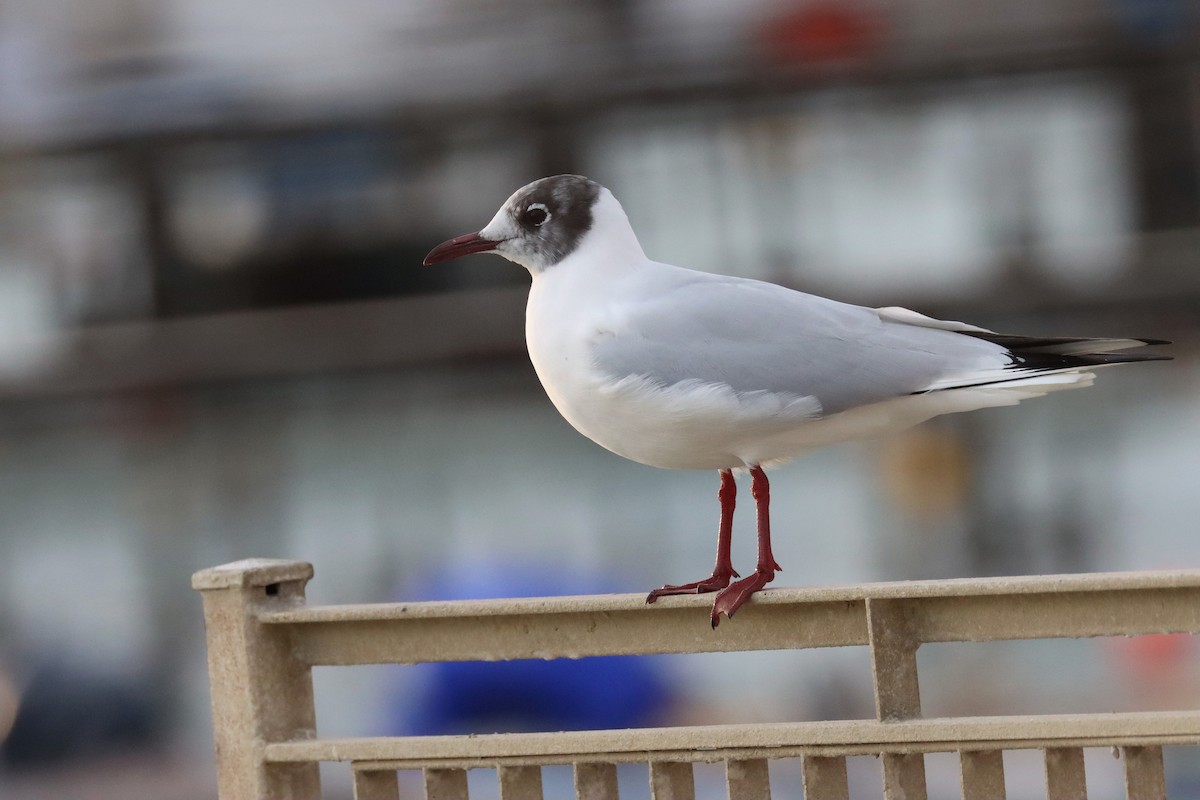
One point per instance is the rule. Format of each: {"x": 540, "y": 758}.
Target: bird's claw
{"x": 713, "y": 583}
{"x": 735, "y": 596}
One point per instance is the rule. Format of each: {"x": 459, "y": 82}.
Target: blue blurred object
{"x": 529, "y": 695}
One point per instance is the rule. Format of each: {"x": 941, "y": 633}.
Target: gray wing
{"x": 757, "y": 337}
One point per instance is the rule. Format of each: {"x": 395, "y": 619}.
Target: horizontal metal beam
{"x": 1113, "y": 612}
{"x": 990, "y": 609}
{"x": 577, "y": 635}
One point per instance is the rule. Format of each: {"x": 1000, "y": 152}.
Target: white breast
{"x": 558, "y": 330}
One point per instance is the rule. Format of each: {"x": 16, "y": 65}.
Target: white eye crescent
{"x": 536, "y": 214}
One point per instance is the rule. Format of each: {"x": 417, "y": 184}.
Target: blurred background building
{"x": 217, "y": 341}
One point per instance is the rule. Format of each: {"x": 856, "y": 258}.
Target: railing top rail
{"x": 966, "y": 587}
{"x": 906, "y": 614}
{"x": 865, "y": 735}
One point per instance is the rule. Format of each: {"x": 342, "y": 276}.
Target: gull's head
{"x": 541, "y": 224}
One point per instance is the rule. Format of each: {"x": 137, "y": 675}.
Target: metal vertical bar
{"x": 982, "y": 774}
{"x": 260, "y": 692}
{"x": 373, "y": 784}
{"x": 1144, "y": 775}
{"x": 596, "y": 782}
{"x": 1065, "y": 779}
{"x": 893, "y": 659}
{"x": 897, "y": 690}
{"x": 904, "y": 776}
{"x": 520, "y": 783}
{"x": 672, "y": 780}
{"x": 825, "y": 778}
{"x": 748, "y": 779}
{"x": 445, "y": 784}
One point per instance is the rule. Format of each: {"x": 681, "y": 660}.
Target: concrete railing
{"x": 263, "y": 642}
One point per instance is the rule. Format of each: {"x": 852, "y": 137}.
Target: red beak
{"x": 459, "y": 246}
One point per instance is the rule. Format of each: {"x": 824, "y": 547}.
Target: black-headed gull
{"x": 690, "y": 370}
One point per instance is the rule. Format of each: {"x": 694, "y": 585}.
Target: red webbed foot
{"x": 736, "y": 595}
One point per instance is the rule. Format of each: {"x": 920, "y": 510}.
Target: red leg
{"x": 723, "y": 571}
{"x": 733, "y": 597}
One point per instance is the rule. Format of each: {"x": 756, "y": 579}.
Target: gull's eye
{"x": 535, "y": 215}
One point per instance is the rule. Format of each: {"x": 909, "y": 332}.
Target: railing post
{"x": 520, "y": 783}
{"x": 1065, "y": 776}
{"x": 672, "y": 780}
{"x": 982, "y": 774}
{"x": 446, "y": 784}
{"x": 825, "y": 778}
{"x": 260, "y": 693}
{"x": 893, "y": 660}
{"x": 897, "y": 690}
{"x": 595, "y": 781}
{"x": 370, "y": 784}
{"x": 748, "y": 779}
{"x": 1144, "y": 776}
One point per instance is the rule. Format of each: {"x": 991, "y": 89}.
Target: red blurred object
{"x": 822, "y": 32}
{"x": 1148, "y": 655}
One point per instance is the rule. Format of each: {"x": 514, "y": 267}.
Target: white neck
{"x": 610, "y": 241}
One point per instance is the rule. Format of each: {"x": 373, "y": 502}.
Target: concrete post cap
{"x": 251, "y": 572}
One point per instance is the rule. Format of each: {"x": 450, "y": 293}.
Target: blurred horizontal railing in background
{"x": 204, "y": 349}
{"x": 263, "y": 642}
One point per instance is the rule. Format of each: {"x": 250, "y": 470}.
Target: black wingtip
{"x": 1121, "y": 358}
{"x": 1053, "y": 361}
{"x": 1021, "y": 343}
